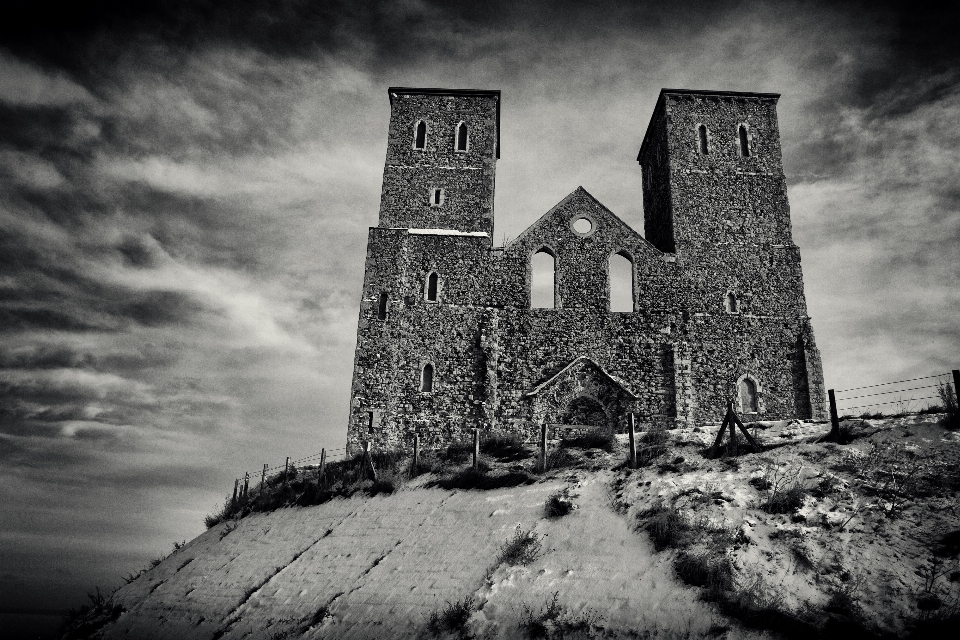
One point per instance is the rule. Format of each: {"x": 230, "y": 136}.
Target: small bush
{"x": 509, "y": 448}
{"x": 560, "y": 458}
{"x": 651, "y": 445}
{"x": 710, "y": 570}
{"x": 553, "y": 621}
{"x": 453, "y": 618}
{"x": 667, "y": 528}
{"x": 522, "y": 549}
{"x": 558, "y": 505}
{"x": 481, "y": 480}
{"x": 90, "y": 618}
{"x": 785, "y": 501}
{"x": 591, "y": 440}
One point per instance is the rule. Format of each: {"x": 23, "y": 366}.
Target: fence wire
{"x": 941, "y": 384}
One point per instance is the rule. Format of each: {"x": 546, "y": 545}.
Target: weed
{"x": 90, "y": 618}
{"x": 948, "y": 398}
{"x": 509, "y": 448}
{"x": 651, "y": 445}
{"x": 560, "y": 458}
{"x": 481, "y": 480}
{"x": 784, "y": 490}
{"x": 667, "y": 528}
{"x": 709, "y": 569}
{"x": 522, "y": 549}
{"x": 558, "y": 504}
{"x": 453, "y": 618}
{"x": 592, "y": 440}
{"x": 553, "y": 621}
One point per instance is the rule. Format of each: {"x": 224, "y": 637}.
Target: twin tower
{"x": 448, "y": 341}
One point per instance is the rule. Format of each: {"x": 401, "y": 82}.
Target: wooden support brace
{"x": 633, "y": 441}
{"x": 322, "y": 469}
{"x": 756, "y": 445}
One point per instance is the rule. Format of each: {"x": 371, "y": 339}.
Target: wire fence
{"x": 897, "y": 399}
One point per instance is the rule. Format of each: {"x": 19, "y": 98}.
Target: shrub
{"x": 453, "y": 618}
{"x": 711, "y": 570}
{"x": 90, "y": 618}
{"x": 667, "y": 528}
{"x": 522, "y": 549}
{"x": 784, "y": 490}
{"x": 555, "y": 621}
{"x": 651, "y": 445}
{"x": 481, "y": 480}
{"x": 591, "y": 440}
{"x": 560, "y": 458}
{"x": 508, "y": 448}
{"x": 558, "y": 505}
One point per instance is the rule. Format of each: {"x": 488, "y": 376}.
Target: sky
{"x": 186, "y": 187}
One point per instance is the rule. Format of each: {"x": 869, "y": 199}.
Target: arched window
{"x": 420, "y": 141}
{"x": 747, "y": 390}
{"x": 426, "y": 378}
{"x": 732, "y": 304}
{"x": 461, "y": 137}
{"x": 430, "y": 289}
{"x": 543, "y": 280}
{"x": 744, "y": 141}
{"x": 621, "y": 282}
{"x": 702, "y": 138}
{"x": 382, "y": 306}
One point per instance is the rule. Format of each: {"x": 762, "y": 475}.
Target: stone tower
{"x": 714, "y": 193}
{"x": 448, "y": 339}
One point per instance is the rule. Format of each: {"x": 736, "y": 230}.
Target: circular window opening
{"x": 582, "y": 226}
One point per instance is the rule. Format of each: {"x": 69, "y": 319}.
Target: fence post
{"x": 633, "y": 441}
{"x": 956, "y": 386}
{"x": 323, "y": 465}
{"x": 286, "y": 471}
{"x": 834, "y": 419}
{"x": 416, "y": 454}
{"x": 476, "y": 449}
{"x": 246, "y": 483}
{"x": 236, "y": 485}
{"x": 263, "y": 478}
{"x": 543, "y": 447}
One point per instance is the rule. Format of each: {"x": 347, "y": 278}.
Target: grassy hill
{"x": 804, "y": 539}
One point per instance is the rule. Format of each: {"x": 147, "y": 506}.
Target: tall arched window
{"x": 382, "y": 306}
{"x": 420, "y": 140}
{"x": 430, "y": 288}
{"x": 461, "y": 137}
{"x": 747, "y": 389}
{"x": 426, "y": 378}
{"x": 744, "y": 141}
{"x": 543, "y": 280}
{"x": 732, "y": 304}
{"x": 702, "y": 139}
{"x": 621, "y": 282}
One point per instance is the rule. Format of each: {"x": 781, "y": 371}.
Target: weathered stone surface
{"x": 717, "y": 296}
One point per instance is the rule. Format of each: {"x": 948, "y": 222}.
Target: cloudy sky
{"x": 185, "y": 189}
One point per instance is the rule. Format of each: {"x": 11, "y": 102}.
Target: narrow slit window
{"x": 426, "y": 378}
{"x": 420, "y": 141}
{"x": 621, "y": 283}
{"x": 462, "y": 137}
{"x": 369, "y": 421}
{"x": 744, "y": 141}
{"x": 748, "y": 396}
{"x": 431, "y": 289}
{"x": 732, "y": 304}
{"x": 437, "y": 195}
{"x": 543, "y": 280}
{"x": 382, "y": 306}
{"x": 702, "y": 137}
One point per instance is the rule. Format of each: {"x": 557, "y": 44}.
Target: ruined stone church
{"x": 448, "y": 339}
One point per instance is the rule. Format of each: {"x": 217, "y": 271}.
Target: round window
{"x": 582, "y": 226}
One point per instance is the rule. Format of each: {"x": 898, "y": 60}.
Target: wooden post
{"x": 246, "y": 484}
{"x": 633, "y": 441}
{"x": 834, "y": 419}
{"x": 323, "y": 465}
{"x": 263, "y": 478}
{"x": 543, "y": 447}
{"x": 236, "y": 485}
{"x": 756, "y": 445}
{"x": 416, "y": 454}
{"x": 476, "y": 449}
{"x": 286, "y": 471}
{"x": 734, "y": 447}
{"x": 956, "y": 386}
{"x": 369, "y": 460}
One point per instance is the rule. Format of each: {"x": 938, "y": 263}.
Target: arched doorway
{"x": 586, "y": 411}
